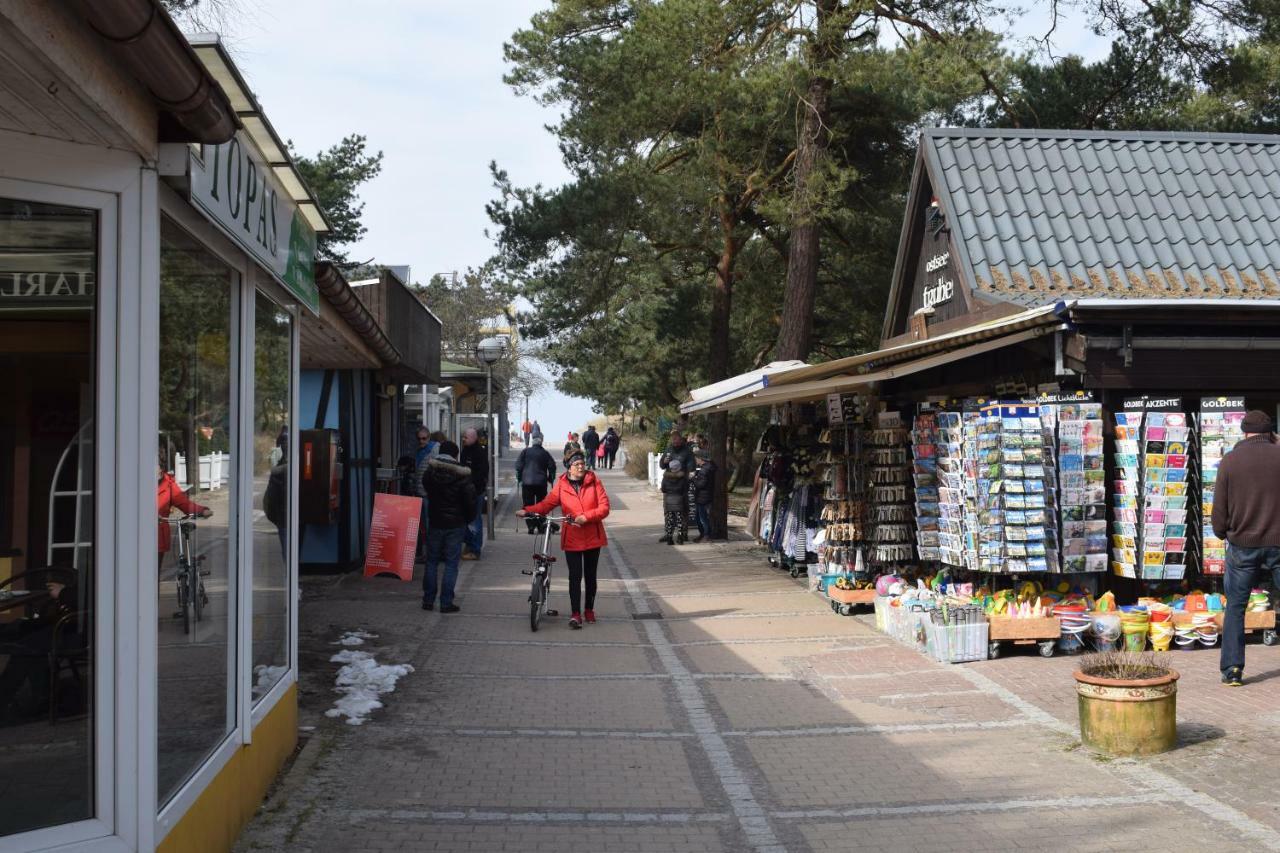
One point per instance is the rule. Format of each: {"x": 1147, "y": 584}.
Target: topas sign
{"x": 942, "y": 290}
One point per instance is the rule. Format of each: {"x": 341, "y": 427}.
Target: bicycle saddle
{"x": 544, "y": 557}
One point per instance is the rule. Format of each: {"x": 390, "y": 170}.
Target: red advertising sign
{"x": 393, "y": 536}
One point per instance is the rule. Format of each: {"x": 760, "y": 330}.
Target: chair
{"x": 70, "y": 649}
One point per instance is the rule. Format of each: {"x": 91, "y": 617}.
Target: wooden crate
{"x": 1025, "y": 630}
{"x": 851, "y": 596}
{"x": 1264, "y": 621}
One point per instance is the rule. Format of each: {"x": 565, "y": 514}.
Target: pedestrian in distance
{"x": 476, "y": 457}
{"x": 1246, "y": 515}
{"x": 451, "y": 501}
{"x": 675, "y": 503}
{"x": 536, "y": 430}
{"x": 612, "y": 441}
{"x": 535, "y": 471}
{"x": 581, "y": 497}
{"x": 704, "y": 484}
{"x": 526, "y": 429}
{"x": 571, "y": 445}
{"x": 590, "y": 446}
{"x": 428, "y": 446}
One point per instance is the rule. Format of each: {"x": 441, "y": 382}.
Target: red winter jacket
{"x": 589, "y": 500}
{"x": 169, "y": 496}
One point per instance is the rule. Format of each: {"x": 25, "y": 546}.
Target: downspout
{"x": 156, "y": 53}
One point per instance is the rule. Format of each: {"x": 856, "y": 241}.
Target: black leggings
{"x": 582, "y": 563}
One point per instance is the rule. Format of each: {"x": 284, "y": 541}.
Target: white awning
{"x": 726, "y": 390}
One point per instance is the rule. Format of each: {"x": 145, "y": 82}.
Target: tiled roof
{"x": 1038, "y": 215}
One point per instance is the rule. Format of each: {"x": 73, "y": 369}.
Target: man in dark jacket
{"x": 1246, "y": 515}
{"x": 476, "y": 457}
{"x": 590, "y": 444}
{"x": 678, "y": 448}
{"x": 535, "y": 470}
{"x": 451, "y": 506}
{"x": 704, "y": 484}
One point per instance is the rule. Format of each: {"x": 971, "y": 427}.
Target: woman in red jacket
{"x": 580, "y": 496}
{"x": 169, "y": 496}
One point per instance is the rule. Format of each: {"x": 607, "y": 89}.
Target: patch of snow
{"x": 267, "y": 676}
{"x": 361, "y": 681}
{"x": 353, "y": 638}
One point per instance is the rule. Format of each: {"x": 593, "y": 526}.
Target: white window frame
{"x": 114, "y": 184}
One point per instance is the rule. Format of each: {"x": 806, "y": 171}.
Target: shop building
{"x": 156, "y": 260}
{"x": 356, "y": 421}
{"x": 1137, "y": 273}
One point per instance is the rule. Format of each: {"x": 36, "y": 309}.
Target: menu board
{"x": 1220, "y": 429}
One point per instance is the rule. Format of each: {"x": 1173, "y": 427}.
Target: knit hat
{"x": 1257, "y": 421}
{"x": 572, "y": 455}
{"x": 674, "y": 465}
{"x": 537, "y": 441}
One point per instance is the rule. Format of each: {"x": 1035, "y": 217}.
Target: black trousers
{"x": 530, "y": 495}
{"x": 610, "y": 456}
{"x": 582, "y": 565}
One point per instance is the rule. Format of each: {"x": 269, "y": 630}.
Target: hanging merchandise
{"x": 845, "y": 499}
{"x": 1126, "y": 488}
{"x": 1017, "y": 534}
{"x": 1082, "y": 486}
{"x": 892, "y": 507}
{"x": 956, "y": 524}
{"x": 1219, "y": 425}
{"x": 924, "y": 456}
{"x": 1164, "y": 491}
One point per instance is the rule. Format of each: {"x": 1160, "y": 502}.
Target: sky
{"x": 422, "y": 79}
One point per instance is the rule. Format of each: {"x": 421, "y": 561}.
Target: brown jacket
{"x": 1246, "y": 499}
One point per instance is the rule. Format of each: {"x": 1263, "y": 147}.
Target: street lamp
{"x": 489, "y": 351}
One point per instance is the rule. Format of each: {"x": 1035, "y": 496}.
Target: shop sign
{"x": 943, "y": 289}
{"x": 1152, "y": 404}
{"x": 239, "y": 191}
{"x": 835, "y": 410}
{"x": 1222, "y": 404}
{"x": 46, "y": 289}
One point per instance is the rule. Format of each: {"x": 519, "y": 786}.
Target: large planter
{"x": 1128, "y": 716}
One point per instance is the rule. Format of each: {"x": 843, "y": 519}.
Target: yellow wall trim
{"x": 215, "y": 819}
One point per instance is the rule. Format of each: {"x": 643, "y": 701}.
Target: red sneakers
{"x": 575, "y": 621}
{"x": 590, "y": 615}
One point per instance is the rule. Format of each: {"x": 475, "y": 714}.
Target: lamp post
{"x": 489, "y": 351}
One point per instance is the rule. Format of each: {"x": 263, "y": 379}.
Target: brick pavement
{"x": 748, "y": 717}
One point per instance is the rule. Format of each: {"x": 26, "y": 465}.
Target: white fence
{"x": 215, "y": 471}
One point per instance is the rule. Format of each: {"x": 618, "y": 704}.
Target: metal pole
{"x": 493, "y": 446}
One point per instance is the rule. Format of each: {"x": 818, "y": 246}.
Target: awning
{"x": 726, "y": 390}
{"x": 812, "y": 382}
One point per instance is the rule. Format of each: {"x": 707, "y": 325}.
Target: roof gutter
{"x": 148, "y": 42}
{"x": 334, "y": 288}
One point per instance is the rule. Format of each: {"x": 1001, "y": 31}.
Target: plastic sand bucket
{"x": 1134, "y": 625}
{"x": 1206, "y": 629}
{"x": 1104, "y": 631}
{"x": 1075, "y": 622}
{"x": 1259, "y": 601}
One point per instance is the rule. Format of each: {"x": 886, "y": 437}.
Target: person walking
{"x": 704, "y": 484}
{"x": 535, "y": 431}
{"x": 675, "y": 503}
{"x": 581, "y": 497}
{"x": 476, "y": 457}
{"x": 1246, "y": 515}
{"x": 571, "y": 445}
{"x": 451, "y": 501}
{"x": 591, "y": 446}
{"x": 612, "y": 441}
{"x": 535, "y": 470}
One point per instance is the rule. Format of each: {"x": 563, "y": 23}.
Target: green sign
{"x": 240, "y": 193}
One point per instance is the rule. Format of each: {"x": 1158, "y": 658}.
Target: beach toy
{"x": 1134, "y": 624}
{"x": 1104, "y": 631}
{"x": 1206, "y": 628}
{"x": 1075, "y": 622}
{"x": 1161, "y": 627}
{"x": 1259, "y": 601}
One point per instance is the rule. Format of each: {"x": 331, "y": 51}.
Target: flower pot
{"x": 1123, "y": 716}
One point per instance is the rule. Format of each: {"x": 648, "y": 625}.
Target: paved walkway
{"x": 748, "y": 717}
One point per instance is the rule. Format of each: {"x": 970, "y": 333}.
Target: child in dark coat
{"x": 675, "y": 491}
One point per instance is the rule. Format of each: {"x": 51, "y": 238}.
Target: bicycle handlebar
{"x": 557, "y": 519}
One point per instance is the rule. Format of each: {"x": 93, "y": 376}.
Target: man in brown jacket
{"x": 1246, "y": 515}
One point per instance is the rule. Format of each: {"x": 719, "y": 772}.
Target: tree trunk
{"x": 718, "y": 366}
{"x": 796, "y": 330}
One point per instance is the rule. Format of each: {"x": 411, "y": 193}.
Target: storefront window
{"x": 48, "y": 282}
{"x": 272, "y": 370}
{"x": 196, "y": 501}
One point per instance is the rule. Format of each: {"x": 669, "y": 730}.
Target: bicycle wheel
{"x": 537, "y": 601}
{"x": 184, "y": 601}
{"x": 197, "y": 596}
